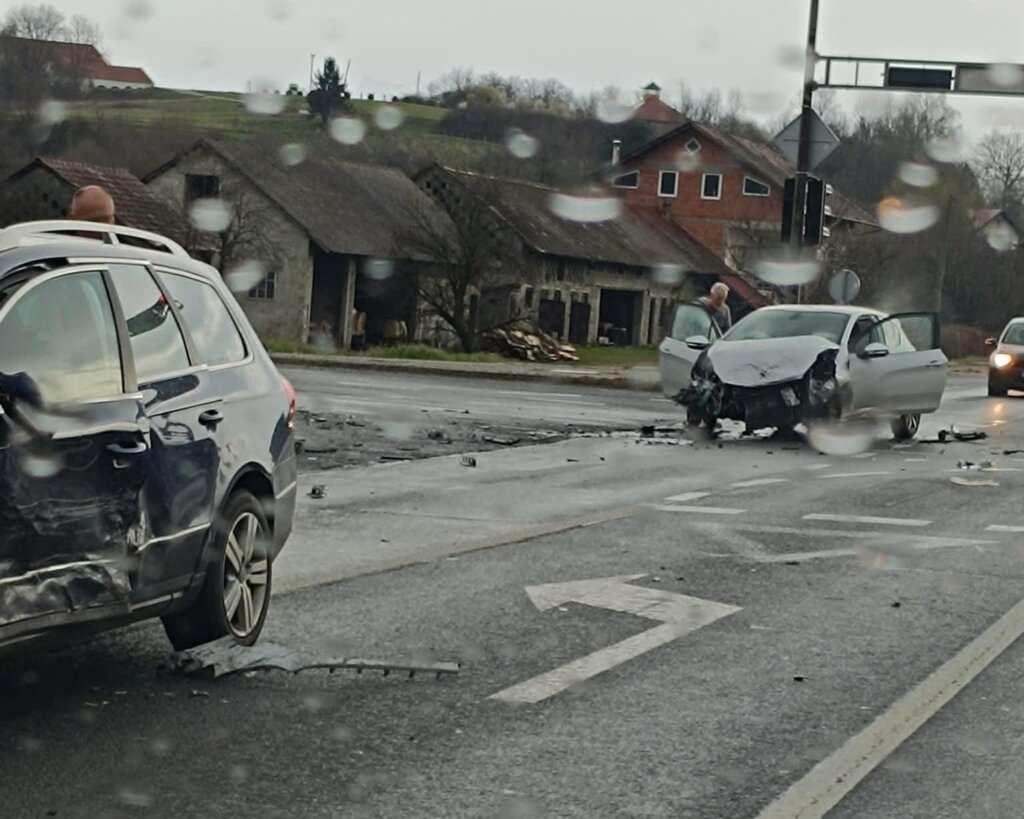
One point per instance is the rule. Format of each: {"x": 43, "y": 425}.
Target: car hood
{"x": 766, "y": 361}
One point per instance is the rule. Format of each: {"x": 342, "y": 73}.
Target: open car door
{"x": 898, "y": 366}
{"x": 680, "y": 350}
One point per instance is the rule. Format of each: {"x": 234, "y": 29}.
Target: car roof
{"x": 848, "y": 309}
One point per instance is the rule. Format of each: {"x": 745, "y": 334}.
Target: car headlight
{"x": 1001, "y": 360}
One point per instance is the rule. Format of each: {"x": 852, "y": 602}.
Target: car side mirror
{"x": 990, "y": 342}
{"x": 698, "y": 342}
{"x": 874, "y": 350}
{"x": 19, "y": 388}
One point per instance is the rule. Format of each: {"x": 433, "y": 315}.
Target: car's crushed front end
{"x": 777, "y": 383}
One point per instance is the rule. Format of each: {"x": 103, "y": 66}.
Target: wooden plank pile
{"x": 529, "y": 345}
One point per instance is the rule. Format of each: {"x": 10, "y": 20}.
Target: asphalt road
{"x": 787, "y": 632}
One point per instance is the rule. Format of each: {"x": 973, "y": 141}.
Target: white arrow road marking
{"x": 678, "y": 613}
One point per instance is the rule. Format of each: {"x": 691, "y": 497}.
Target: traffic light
{"x": 816, "y": 210}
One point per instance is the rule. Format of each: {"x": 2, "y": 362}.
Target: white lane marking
{"x": 998, "y": 527}
{"x": 868, "y": 519}
{"x": 811, "y": 531}
{"x": 524, "y": 394}
{"x": 758, "y": 482}
{"x": 864, "y": 455}
{"x": 701, "y": 510}
{"x": 687, "y": 497}
{"x": 826, "y": 554}
{"x": 815, "y": 467}
{"x": 679, "y": 614}
{"x": 828, "y": 782}
{"x": 856, "y": 475}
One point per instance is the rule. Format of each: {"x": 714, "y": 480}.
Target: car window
{"x": 204, "y": 313}
{"x": 691, "y": 320}
{"x": 62, "y": 333}
{"x": 1014, "y": 334}
{"x": 156, "y": 339}
{"x": 865, "y": 324}
{"x": 763, "y": 324}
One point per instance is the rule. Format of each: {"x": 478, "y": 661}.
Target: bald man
{"x": 92, "y": 204}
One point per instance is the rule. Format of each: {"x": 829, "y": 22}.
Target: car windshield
{"x": 1014, "y": 334}
{"x": 789, "y": 323}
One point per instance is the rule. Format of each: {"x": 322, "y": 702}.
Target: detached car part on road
{"x": 1006, "y": 363}
{"x": 147, "y": 457}
{"x": 788, "y": 365}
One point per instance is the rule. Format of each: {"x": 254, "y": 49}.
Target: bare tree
{"x": 467, "y": 250}
{"x": 455, "y": 81}
{"x": 35, "y": 22}
{"x": 999, "y": 164}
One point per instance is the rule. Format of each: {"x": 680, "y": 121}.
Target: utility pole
{"x": 803, "y": 155}
{"x": 944, "y": 254}
{"x": 418, "y": 75}
{"x": 312, "y": 61}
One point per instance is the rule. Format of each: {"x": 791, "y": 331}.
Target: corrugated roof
{"x": 345, "y": 207}
{"x": 630, "y": 239}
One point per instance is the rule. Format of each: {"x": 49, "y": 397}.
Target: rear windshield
{"x": 1014, "y": 334}
{"x": 789, "y": 323}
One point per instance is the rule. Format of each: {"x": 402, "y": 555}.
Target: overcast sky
{"x": 588, "y": 44}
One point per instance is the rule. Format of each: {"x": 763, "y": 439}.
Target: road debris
{"x": 494, "y": 439}
{"x": 468, "y": 460}
{"x": 957, "y": 433}
{"x": 972, "y": 466}
{"x": 318, "y": 491}
{"x": 529, "y": 345}
{"x": 968, "y": 482}
{"x": 224, "y": 657}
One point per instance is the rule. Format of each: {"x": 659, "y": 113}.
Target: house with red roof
{"x": 79, "y": 63}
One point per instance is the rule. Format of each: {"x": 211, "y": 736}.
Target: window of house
{"x": 61, "y": 332}
{"x": 668, "y": 183}
{"x": 201, "y": 186}
{"x": 266, "y": 289}
{"x": 627, "y": 180}
{"x": 755, "y": 187}
{"x": 208, "y": 320}
{"x": 156, "y": 339}
{"x": 711, "y": 186}
{"x": 692, "y": 146}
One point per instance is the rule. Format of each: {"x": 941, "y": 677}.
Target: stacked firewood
{"x": 529, "y": 345}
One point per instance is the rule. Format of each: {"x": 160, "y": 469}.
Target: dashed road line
{"x": 687, "y": 497}
{"x": 701, "y": 510}
{"x": 855, "y": 475}
{"x": 758, "y": 482}
{"x": 998, "y": 527}
{"x": 912, "y": 522}
{"x": 816, "y": 467}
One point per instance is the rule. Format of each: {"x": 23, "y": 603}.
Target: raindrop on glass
{"x": 792, "y": 57}
{"x": 787, "y": 270}
{"x": 1001, "y": 237}
{"x": 280, "y": 9}
{"x": 378, "y": 269}
{"x": 40, "y": 466}
{"x": 613, "y": 111}
{"x": 918, "y": 175}
{"x": 138, "y": 10}
{"x": 265, "y": 99}
{"x": 520, "y": 144}
{"x": 314, "y": 703}
{"x": 342, "y": 733}
{"x": 669, "y": 275}
{"x": 52, "y": 112}
{"x": 244, "y": 276}
{"x": 520, "y": 807}
{"x": 1005, "y": 75}
{"x": 134, "y": 797}
{"x": 160, "y": 747}
{"x": 30, "y": 745}
{"x": 292, "y": 154}
{"x": 348, "y": 130}
{"x": 906, "y": 215}
{"x": 388, "y": 117}
{"x": 211, "y": 215}
{"x": 841, "y": 439}
{"x": 688, "y": 161}
{"x": 947, "y": 148}
{"x": 585, "y": 208}
{"x": 238, "y": 774}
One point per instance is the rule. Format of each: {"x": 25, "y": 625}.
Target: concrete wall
{"x": 286, "y": 316}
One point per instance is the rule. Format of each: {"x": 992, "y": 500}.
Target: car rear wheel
{"x": 906, "y": 426}
{"x": 236, "y": 592}
{"x": 995, "y": 387}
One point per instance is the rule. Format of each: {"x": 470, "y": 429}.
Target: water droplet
{"x": 244, "y": 276}
{"x": 388, "y": 117}
{"x": 206, "y": 57}
{"x": 520, "y": 144}
{"x": 520, "y": 807}
{"x": 614, "y": 111}
{"x": 211, "y": 215}
{"x": 265, "y": 99}
{"x": 669, "y": 275}
{"x": 30, "y": 745}
{"x": 793, "y": 57}
{"x": 947, "y": 148}
{"x": 134, "y": 797}
{"x": 841, "y": 439}
{"x": 1005, "y": 75}
{"x": 292, "y": 154}
{"x": 785, "y": 269}
{"x": 1001, "y": 237}
{"x": 348, "y": 130}
{"x": 906, "y": 215}
{"x": 138, "y": 11}
{"x": 52, "y": 112}
{"x": 280, "y": 10}
{"x": 161, "y": 747}
{"x": 314, "y": 703}
{"x": 378, "y": 269}
{"x": 40, "y": 466}
{"x": 342, "y": 733}
{"x": 688, "y": 161}
{"x": 918, "y": 174}
{"x": 585, "y": 208}
{"x": 238, "y": 774}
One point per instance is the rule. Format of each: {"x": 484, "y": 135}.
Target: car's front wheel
{"x": 905, "y": 427}
{"x": 236, "y": 592}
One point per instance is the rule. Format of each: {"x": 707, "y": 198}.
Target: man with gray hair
{"x": 716, "y": 303}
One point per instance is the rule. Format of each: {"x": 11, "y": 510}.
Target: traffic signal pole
{"x": 803, "y": 155}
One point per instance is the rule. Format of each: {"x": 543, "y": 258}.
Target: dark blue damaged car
{"x": 147, "y": 457}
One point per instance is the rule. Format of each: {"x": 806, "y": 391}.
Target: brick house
{"x": 656, "y": 113}
{"x": 324, "y": 229}
{"x": 725, "y": 190}
{"x": 79, "y": 63}
{"x": 584, "y": 281}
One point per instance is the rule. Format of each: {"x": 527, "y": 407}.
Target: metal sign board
{"x": 823, "y": 141}
{"x": 844, "y": 286}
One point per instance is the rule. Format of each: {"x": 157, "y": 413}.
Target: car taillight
{"x": 289, "y": 392}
